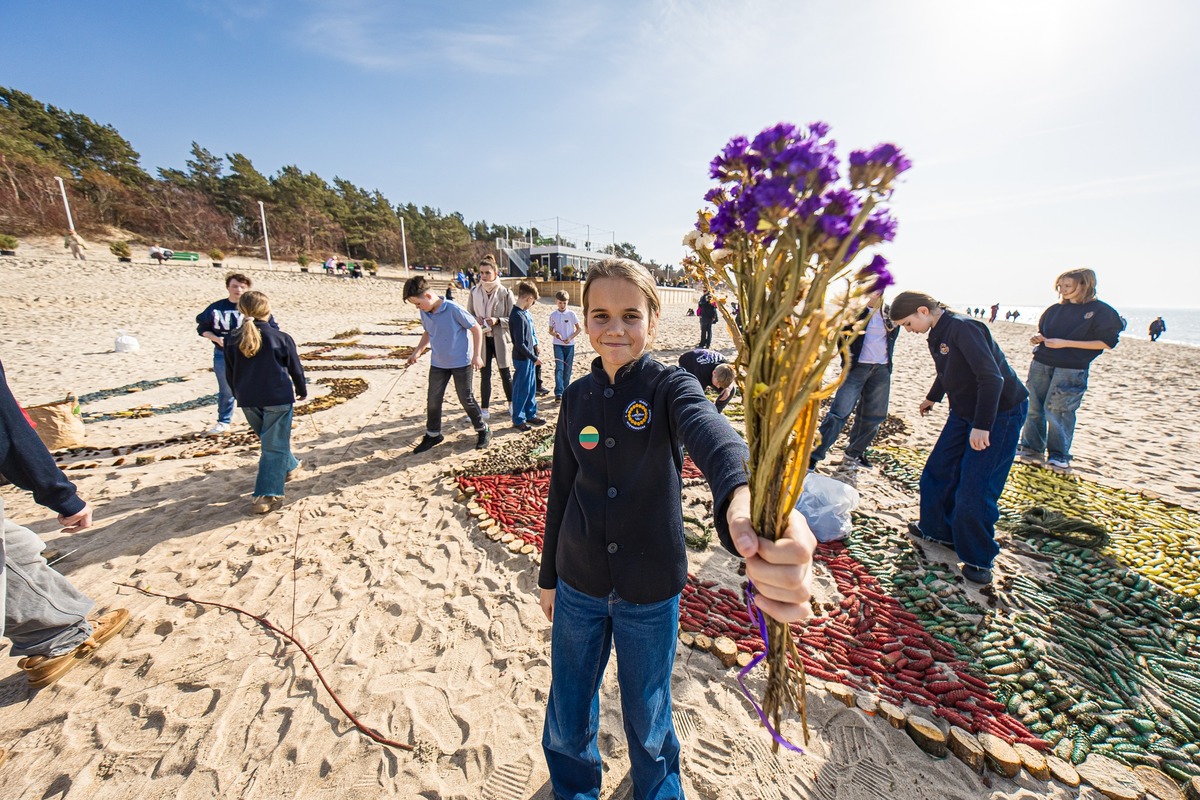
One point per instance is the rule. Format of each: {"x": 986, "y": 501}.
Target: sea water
{"x": 1183, "y": 324}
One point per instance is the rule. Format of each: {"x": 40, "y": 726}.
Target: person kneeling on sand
{"x": 44, "y": 615}
{"x": 263, "y": 368}
{"x": 713, "y": 371}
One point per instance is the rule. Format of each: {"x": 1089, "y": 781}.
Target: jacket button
{"x": 610, "y": 442}
{"x": 608, "y": 392}
{"x": 613, "y": 547}
{"x": 612, "y": 491}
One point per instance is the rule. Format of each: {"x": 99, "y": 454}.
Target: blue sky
{"x": 1046, "y": 135}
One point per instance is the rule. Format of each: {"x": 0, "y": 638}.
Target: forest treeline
{"x": 213, "y": 203}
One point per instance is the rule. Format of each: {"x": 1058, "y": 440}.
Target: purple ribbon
{"x": 757, "y": 616}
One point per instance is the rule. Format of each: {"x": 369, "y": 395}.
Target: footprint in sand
{"x": 509, "y": 781}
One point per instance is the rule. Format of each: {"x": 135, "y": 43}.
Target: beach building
{"x": 554, "y": 257}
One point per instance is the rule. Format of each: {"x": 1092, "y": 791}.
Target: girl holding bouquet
{"x": 613, "y": 562}
{"x": 967, "y": 469}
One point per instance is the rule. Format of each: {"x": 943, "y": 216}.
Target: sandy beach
{"x": 428, "y": 629}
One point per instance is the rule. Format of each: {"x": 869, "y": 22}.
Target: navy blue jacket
{"x": 613, "y": 518}
{"x": 222, "y": 318}
{"x": 26, "y": 462}
{"x": 267, "y": 378}
{"x": 972, "y": 371}
{"x": 1078, "y": 322}
{"x": 524, "y": 339}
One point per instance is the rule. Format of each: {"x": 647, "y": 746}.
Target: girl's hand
{"x": 980, "y": 439}
{"x": 1054, "y": 344}
{"x": 781, "y": 570}
{"x": 925, "y": 407}
{"x": 1037, "y": 338}
{"x": 546, "y": 601}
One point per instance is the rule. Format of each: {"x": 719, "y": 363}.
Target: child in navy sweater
{"x": 614, "y": 562}
{"x": 968, "y": 467}
{"x": 525, "y": 358}
{"x": 263, "y": 369}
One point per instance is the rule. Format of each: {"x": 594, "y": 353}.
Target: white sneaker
{"x": 220, "y": 427}
{"x": 1058, "y": 464}
{"x": 485, "y": 413}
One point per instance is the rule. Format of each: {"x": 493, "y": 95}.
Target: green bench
{"x": 180, "y": 256}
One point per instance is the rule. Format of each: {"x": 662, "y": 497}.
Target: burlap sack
{"x": 59, "y": 424}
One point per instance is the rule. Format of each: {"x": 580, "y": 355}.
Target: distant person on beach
{"x": 330, "y": 265}
{"x": 263, "y": 368}
{"x": 215, "y": 323}
{"x": 1071, "y": 334}
{"x": 490, "y": 302}
{"x": 76, "y": 245}
{"x": 867, "y": 388}
{"x": 713, "y": 371}
{"x": 995, "y": 311}
{"x": 1016, "y": 315}
{"x": 564, "y": 327}
{"x": 160, "y": 254}
{"x": 454, "y": 354}
{"x": 1157, "y": 328}
{"x": 614, "y": 563}
{"x": 525, "y": 358}
{"x": 43, "y": 615}
{"x": 707, "y": 311}
{"x": 968, "y": 466}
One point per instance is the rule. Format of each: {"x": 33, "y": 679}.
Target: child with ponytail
{"x": 263, "y": 369}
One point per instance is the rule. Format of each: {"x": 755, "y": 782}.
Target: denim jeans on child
{"x": 41, "y": 612}
{"x": 524, "y": 405}
{"x": 869, "y": 387}
{"x": 224, "y": 392}
{"x": 273, "y": 424}
{"x": 585, "y": 629}
{"x": 439, "y": 377}
{"x": 1054, "y": 396}
{"x": 960, "y": 486}
{"x": 564, "y": 359}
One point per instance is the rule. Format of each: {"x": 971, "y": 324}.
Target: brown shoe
{"x": 265, "y": 504}
{"x": 41, "y": 671}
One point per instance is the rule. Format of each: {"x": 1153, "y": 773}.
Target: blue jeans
{"x": 564, "y": 359}
{"x": 869, "y": 387}
{"x": 524, "y": 404}
{"x": 1054, "y": 396}
{"x": 273, "y": 424}
{"x": 41, "y": 612}
{"x": 224, "y": 392}
{"x": 585, "y": 629}
{"x": 960, "y": 486}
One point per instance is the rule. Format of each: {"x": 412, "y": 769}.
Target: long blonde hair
{"x": 1083, "y": 276}
{"x": 253, "y": 305}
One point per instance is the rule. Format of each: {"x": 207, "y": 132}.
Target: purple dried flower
{"x": 877, "y": 273}
{"x": 819, "y": 129}
{"x": 879, "y": 227}
{"x": 842, "y": 201}
{"x": 834, "y": 226}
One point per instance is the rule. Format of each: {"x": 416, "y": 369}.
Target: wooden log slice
{"x": 1192, "y": 790}
{"x": 928, "y": 736}
{"x": 1111, "y": 778}
{"x": 1000, "y": 755}
{"x": 703, "y": 642}
{"x": 1034, "y": 761}
{"x": 724, "y": 648}
{"x": 527, "y": 549}
{"x": 868, "y": 704}
{"x": 516, "y": 544}
{"x": 1062, "y": 771}
{"x": 843, "y": 694}
{"x": 688, "y": 639}
{"x": 744, "y": 659}
{"x": 892, "y": 713}
{"x": 1158, "y": 783}
{"x": 964, "y": 745}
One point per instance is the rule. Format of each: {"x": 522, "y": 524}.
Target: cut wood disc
{"x": 964, "y": 745}
{"x": 843, "y": 694}
{"x": 744, "y": 659}
{"x": 688, "y": 639}
{"x": 868, "y": 704}
{"x": 1034, "y": 761}
{"x": 1193, "y": 789}
{"x": 892, "y": 713}
{"x": 1158, "y": 783}
{"x": 1111, "y": 778}
{"x": 724, "y": 648}
{"x": 1062, "y": 771}
{"x": 703, "y": 642}
{"x": 1000, "y": 755}
{"x": 928, "y": 736}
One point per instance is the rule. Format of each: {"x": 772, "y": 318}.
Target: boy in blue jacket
{"x": 525, "y": 359}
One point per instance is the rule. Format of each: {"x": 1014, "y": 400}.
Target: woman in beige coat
{"x": 490, "y": 303}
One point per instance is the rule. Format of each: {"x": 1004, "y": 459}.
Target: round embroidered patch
{"x": 589, "y": 437}
{"x": 637, "y": 415}
{"x": 1089, "y": 315}
{"x": 944, "y": 349}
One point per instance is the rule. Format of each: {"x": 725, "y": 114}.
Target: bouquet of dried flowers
{"x": 782, "y": 237}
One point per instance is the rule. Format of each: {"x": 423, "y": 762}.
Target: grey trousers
{"x": 42, "y": 612}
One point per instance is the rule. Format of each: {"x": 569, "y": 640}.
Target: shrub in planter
{"x": 302, "y": 260}
{"x": 8, "y": 245}
{"x": 217, "y": 256}
{"x": 121, "y": 251}
{"x": 370, "y": 266}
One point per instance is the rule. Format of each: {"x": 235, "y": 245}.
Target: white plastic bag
{"x": 126, "y": 343}
{"x": 826, "y": 505}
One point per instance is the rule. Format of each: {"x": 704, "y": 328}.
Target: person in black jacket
{"x": 707, "y": 311}
{"x": 42, "y": 613}
{"x": 613, "y": 560}
{"x": 868, "y": 385}
{"x": 968, "y": 467}
{"x": 263, "y": 368}
{"x": 525, "y": 358}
